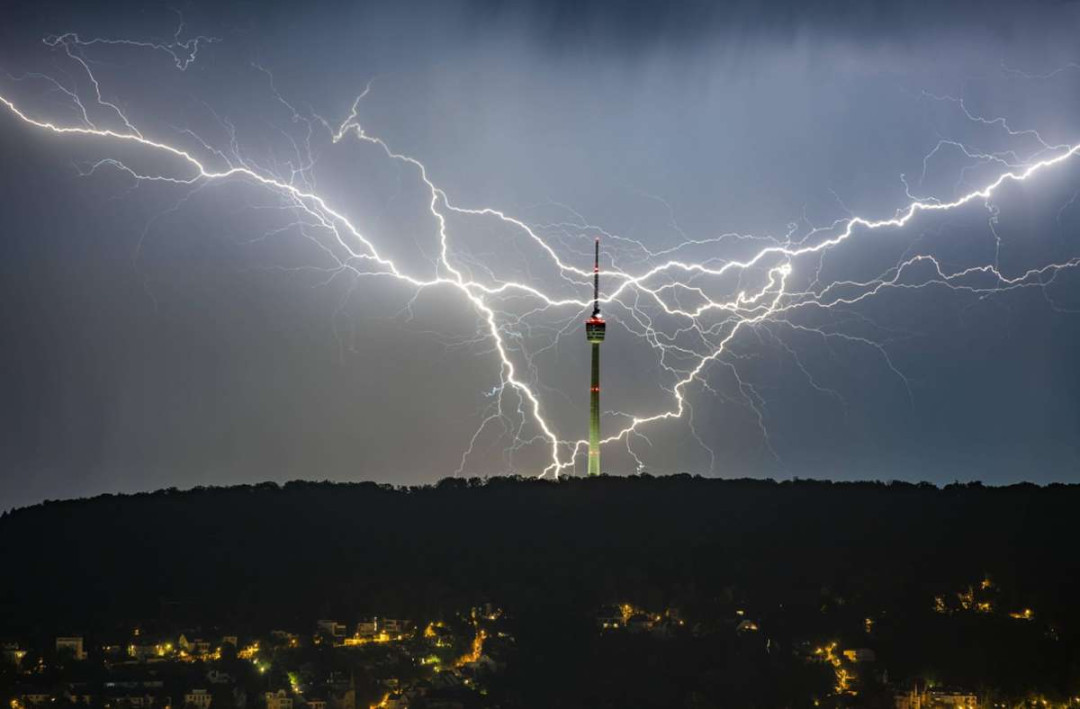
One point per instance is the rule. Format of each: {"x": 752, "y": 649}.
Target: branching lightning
{"x": 688, "y": 311}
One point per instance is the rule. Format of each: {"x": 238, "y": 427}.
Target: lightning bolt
{"x": 689, "y": 311}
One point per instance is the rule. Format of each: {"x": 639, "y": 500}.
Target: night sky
{"x": 160, "y": 329}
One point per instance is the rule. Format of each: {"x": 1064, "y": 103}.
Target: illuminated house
{"x": 283, "y": 638}
{"x": 278, "y": 700}
{"x": 196, "y": 646}
{"x": 151, "y": 652}
{"x": 746, "y": 626}
{"x": 198, "y": 698}
{"x": 610, "y": 617}
{"x": 342, "y": 694}
{"x": 393, "y": 626}
{"x": 135, "y": 694}
{"x": 13, "y": 654}
{"x": 331, "y": 628}
{"x": 860, "y": 654}
{"x": 34, "y": 698}
{"x": 74, "y": 645}
{"x": 937, "y": 698}
{"x": 133, "y": 701}
{"x": 367, "y": 628}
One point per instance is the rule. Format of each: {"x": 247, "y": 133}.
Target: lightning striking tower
{"x": 594, "y": 333}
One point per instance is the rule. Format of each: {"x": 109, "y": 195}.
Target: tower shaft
{"x": 594, "y": 413}
{"x": 595, "y": 329}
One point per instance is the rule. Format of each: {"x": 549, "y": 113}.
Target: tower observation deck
{"x": 594, "y": 332}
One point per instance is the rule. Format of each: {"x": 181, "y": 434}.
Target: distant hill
{"x": 289, "y": 554}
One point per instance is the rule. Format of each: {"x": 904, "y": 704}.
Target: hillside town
{"x": 377, "y": 662}
{"x": 383, "y": 662}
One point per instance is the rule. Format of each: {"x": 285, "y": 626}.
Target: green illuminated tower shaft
{"x": 594, "y": 332}
{"x": 594, "y": 413}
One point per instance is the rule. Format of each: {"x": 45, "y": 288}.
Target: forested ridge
{"x": 305, "y": 548}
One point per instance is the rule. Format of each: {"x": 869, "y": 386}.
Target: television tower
{"x": 594, "y": 333}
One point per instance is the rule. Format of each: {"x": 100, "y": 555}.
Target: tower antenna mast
{"x": 596, "y": 281}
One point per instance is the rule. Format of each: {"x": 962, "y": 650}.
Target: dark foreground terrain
{"x": 621, "y": 592}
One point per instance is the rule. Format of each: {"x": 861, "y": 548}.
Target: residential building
{"x": 134, "y": 700}
{"x": 194, "y": 646}
{"x": 937, "y": 698}
{"x": 73, "y": 644}
{"x": 330, "y": 628}
{"x": 860, "y": 654}
{"x": 278, "y": 700}
{"x": 13, "y": 654}
{"x": 284, "y": 638}
{"x": 393, "y": 626}
{"x": 35, "y": 698}
{"x": 609, "y": 618}
{"x": 198, "y": 698}
{"x": 149, "y": 652}
{"x": 746, "y": 626}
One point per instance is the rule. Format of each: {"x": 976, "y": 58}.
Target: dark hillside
{"x": 303, "y": 550}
